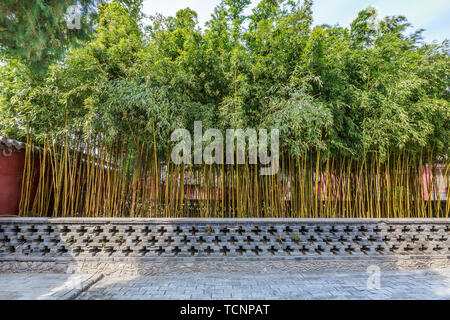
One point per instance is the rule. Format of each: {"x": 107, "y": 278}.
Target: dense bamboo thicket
{"x": 87, "y": 179}
{"x": 362, "y": 111}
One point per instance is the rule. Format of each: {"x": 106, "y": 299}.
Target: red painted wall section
{"x": 11, "y": 171}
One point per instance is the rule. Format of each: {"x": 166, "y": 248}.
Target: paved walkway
{"x": 431, "y": 284}
{"x": 31, "y": 286}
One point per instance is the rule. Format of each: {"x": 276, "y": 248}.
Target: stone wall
{"x": 41, "y": 239}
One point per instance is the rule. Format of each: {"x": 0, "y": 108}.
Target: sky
{"x": 431, "y": 15}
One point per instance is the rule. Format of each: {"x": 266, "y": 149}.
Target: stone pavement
{"x": 429, "y": 284}
{"x": 29, "y": 286}
{"x": 393, "y": 285}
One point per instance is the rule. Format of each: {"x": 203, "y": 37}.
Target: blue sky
{"x": 432, "y": 15}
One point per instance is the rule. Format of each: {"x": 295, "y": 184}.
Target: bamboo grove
{"x": 87, "y": 179}
{"x": 363, "y": 112}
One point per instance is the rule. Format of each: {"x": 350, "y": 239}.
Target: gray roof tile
{"x": 15, "y": 145}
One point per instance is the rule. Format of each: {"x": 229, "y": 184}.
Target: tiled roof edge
{"x": 15, "y": 145}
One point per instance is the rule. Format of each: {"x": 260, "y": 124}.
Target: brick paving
{"x": 33, "y": 286}
{"x": 425, "y": 284}
{"x": 429, "y": 284}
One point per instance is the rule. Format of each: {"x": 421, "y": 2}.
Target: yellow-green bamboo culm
{"x": 87, "y": 178}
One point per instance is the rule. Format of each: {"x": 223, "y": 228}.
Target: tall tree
{"x": 40, "y": 31}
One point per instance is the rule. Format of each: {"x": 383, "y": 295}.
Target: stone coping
{"x": 26, "y": 220}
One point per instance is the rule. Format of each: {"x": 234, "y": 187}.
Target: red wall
{"x": 11, "y": 170}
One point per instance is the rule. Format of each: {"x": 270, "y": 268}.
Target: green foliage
{"x": 37, "y": 32}
{"x": 302, "y": 121}
{"x": 368, "y": 89}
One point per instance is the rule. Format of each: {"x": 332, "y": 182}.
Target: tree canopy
{"x": 40, "y": 31}
{"x": 374, "y": 87}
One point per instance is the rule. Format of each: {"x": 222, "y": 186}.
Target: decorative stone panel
{"x": 42, "y": 239}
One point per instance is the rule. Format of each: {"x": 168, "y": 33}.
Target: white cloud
{"x": 431, "y": 15}
{"x": 204, "y": 8}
